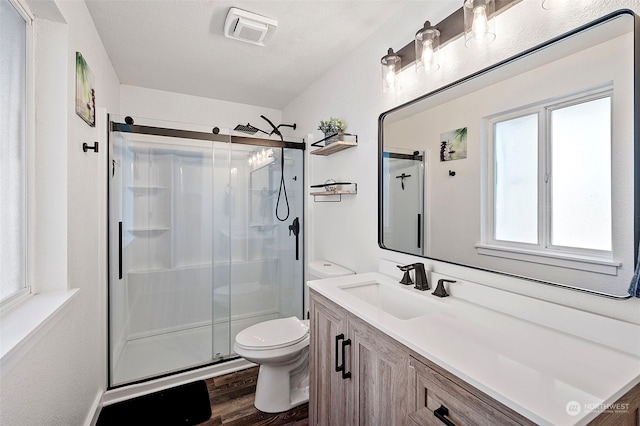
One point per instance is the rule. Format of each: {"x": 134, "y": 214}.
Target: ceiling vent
{"x": 249, "y": 27}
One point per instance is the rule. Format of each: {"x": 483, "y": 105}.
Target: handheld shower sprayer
{"x": 282, "y": 189}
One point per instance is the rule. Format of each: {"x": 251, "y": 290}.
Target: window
{"x": 549, "y": 179}
{"x": 13, "y": 152}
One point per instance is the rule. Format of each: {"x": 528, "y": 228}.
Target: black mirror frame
{"x": 636, "y": 140}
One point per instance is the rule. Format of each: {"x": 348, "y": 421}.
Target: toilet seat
{"x": 273, "y": 334}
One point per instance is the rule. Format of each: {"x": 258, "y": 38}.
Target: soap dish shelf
{"x": 331, "y": 148}
{"x": 334, "y": 196}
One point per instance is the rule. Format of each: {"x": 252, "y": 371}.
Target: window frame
{"x": 601, "y": 261}
{"x": 27, "y": 289}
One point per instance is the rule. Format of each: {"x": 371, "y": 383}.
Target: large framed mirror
{"x": 526, "y": 168}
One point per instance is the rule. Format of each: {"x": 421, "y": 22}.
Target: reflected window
{"x": 552, "y": 177}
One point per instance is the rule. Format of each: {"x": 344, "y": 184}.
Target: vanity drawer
{"x": 430, "y": 390}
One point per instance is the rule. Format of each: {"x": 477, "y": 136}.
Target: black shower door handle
{"x": 119, "y": 250}
{"x": 419, "y": 229}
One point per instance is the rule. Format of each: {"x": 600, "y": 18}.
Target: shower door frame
{"x": 214, "y": 136}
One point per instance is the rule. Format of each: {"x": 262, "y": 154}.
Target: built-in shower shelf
{"x": 143, "y": 189}
{"x": 331, "y": 148}
{"x": 149, "y": 229}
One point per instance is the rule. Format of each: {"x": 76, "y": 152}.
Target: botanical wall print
{"x": 453, "y": 145}
{"x": 85, "y": 91}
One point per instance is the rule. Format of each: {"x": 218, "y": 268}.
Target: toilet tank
{"x": 319, "y": 269}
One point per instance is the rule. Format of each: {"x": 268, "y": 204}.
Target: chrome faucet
{"x": 422, "y": 283}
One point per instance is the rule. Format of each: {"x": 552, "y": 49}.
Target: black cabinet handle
{"x": 345, "y": 374}
{"x": 441, "y": 414}
{"x": 339, "y": 367}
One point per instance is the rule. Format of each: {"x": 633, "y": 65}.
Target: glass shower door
{"x": 205, "y": 240}
{"x": 266, "y": 239}
{"x": 161, "y": 251}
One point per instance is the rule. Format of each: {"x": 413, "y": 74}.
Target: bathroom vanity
{"x": 386, "y": 354}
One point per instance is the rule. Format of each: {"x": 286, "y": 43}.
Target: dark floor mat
{"x": 183, "y": 405}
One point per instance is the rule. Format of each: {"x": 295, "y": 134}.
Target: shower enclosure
{"x": 403, "y": 179}
{"x": 203, "y": 243}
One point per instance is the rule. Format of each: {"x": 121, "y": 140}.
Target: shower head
{"x": 249, "y": 129}
{"x": 246, "y": 129}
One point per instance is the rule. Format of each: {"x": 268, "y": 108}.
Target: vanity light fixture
{"x": 479, "y": 27}
{"x": 423, "y": 49}
{"x": 427, "y": 43}
{"x": 391, "y": 64}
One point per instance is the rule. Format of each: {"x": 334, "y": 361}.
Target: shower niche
{"x": 190, "y": 263}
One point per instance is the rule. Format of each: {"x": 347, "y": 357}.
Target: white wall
{"x": 60, "y": 380}
{"x": 160, "y": 105}
{"x": 346, "y": 233}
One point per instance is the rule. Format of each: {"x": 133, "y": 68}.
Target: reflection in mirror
{"x": 528, "y": 165}
{"x": 403, "y": 180}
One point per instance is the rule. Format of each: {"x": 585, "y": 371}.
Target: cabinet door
{"x": 624, "y": 412}
{"x": 378, "y": 366}
{"x": 327, "y": 389}
{"x": 430, "y": 391}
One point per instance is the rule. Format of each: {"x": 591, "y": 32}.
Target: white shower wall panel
{"x": 192, "y": 210}
{"x": 167, "y": 301}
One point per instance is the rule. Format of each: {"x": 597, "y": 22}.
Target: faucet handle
{"x": 406, "y": 278}
{"x": 440, "y": 290}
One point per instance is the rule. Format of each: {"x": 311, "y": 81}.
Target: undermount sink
{"x": 398, "y": 302}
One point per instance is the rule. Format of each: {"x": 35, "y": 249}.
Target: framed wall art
{"x": 85, "y": 91}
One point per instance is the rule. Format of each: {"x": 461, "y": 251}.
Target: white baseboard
{"x": 94, "y": 411}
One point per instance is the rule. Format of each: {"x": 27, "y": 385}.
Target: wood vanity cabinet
{"x": 436, "y": 396}
{"x": 383, "y": 382}
{"x": 371, "y": 387}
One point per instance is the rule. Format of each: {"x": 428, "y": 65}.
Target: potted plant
{"x": 332, "y": 128}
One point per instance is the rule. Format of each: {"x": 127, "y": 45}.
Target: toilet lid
{"x": 273, "y": 334}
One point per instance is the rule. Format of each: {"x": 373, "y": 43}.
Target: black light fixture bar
{"x": 450, "y": 29}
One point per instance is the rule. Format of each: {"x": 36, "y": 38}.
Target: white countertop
{"x": 537, "y": 370}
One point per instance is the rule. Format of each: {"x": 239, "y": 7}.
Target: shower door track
{"x": 216, "y": 137}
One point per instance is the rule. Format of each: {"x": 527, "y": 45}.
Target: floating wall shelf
{"x": 332, "y": 148}
{"x": 336, "y": 193}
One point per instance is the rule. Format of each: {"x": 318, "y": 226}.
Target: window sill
{"x": 22, "y": 326}
{"x": 582, "y": 263}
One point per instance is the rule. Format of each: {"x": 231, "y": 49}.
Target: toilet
{"x": 281, "y": 347}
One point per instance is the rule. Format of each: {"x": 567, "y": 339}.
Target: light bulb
{"x": 480, "y": 26}
{"x": 427, "y": 53}
{"x": 390, "y": 64}
{"x": 390, "y": 77}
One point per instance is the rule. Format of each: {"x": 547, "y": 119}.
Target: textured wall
{"x": 59, "y": 381}
{"x": 346, "y": 233}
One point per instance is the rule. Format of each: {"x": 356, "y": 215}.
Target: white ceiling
{"x": 179, "y": 46}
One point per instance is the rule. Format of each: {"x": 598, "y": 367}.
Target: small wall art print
{"x": 453, "y": 145}
{"x": 85, "y": 91}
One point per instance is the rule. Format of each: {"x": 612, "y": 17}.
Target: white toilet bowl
{"x": 281, "y": 347}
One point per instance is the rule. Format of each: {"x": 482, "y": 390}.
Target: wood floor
{"x": 231, "y": 399}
